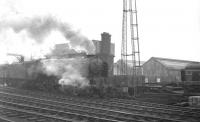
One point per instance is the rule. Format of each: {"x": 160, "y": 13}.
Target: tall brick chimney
{"x": 105, "y": 44}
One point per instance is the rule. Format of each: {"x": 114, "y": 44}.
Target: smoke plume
{"x": 36, "y": 37}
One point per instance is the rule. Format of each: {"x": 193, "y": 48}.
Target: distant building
{"x": 105, "y": 50}
{"x": 118, "y": 68}
{"x": 164, "y": 70}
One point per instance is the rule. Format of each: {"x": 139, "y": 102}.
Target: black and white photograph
{"x": 99, "y": 61}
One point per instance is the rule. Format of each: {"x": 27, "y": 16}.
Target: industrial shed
{"x": 164, "y": 70}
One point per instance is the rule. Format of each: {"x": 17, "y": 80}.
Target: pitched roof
{"x": 174, "y": 63}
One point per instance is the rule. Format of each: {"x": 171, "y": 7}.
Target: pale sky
{"x": 167, "y": 28}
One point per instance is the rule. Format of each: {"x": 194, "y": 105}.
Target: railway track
{"x": 186, "y": 110}
{"x": 116, "y": 109}
{"x": 154, "y": 107}
{"x": 111, "y": 114}
{"x": 154, "y": 104}
{"x": 2, "y": 119}
{"x": 52, "y": 113}
{"x": 134, "y": 108}
{"x": 29, "y": 116}
{"x": 61, "y": 109}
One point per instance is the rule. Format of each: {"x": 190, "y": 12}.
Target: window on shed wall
{"x": 158, "y": 80}
{"x": 146, "y": 80}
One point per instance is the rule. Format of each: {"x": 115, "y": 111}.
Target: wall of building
{"x": 156, "y": 72}
{"x": 153, "y": 70}
{"x": 174, "y": 75}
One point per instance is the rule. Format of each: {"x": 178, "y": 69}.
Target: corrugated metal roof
{"x": 174, "y": 63}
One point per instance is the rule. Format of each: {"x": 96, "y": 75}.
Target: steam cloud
{"x": 38, "y": 28}
{"x": 37, "y": 36}
{"x": 72, "y": 71}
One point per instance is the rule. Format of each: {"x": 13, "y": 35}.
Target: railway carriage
{"x": 191, "y": 79}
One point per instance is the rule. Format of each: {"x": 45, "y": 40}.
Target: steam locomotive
{"x": 28, "y": 75}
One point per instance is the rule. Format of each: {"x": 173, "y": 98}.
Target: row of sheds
{"x": 165, "y": 70}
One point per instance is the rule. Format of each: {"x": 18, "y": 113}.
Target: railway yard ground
{"x": 164, "y": 98}
{"x": 18, "y": 105}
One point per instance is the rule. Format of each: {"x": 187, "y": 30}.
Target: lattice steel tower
{"x": 130, "y": 53}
